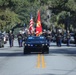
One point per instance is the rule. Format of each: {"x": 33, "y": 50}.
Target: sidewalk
{"x": 62, "y": 45}
{"x": 15, "y": 43}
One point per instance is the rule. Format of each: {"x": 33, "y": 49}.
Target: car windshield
{"x": 32, "y": 39}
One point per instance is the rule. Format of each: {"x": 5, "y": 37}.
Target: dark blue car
{"x": 36, "y": 44}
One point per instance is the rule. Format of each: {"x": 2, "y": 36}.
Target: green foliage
{"x": 4, "y": 2}
{"x": 65, "y": 12}
{"x": 13, "y": 12}
{"x": 8, "y": 19}
{"x": 71, "y": 4}
{"x": 58, "y": 3}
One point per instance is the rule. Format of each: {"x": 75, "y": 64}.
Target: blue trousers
{"x": 59, "y": 42}
{"x": 20, "y": 42}
{"x": 11, "y": 42}
{"x": 68, "y": 42}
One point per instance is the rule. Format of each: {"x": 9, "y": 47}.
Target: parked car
{"x": 72, "y": 40}
{"x": 36, "y": 44}
{"x": 64, "y": 39}
{"x": 5, "y": 38}
{"x": 1, "y": 40}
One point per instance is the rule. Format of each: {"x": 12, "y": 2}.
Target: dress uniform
{"x": 20, "y": 39}
{"x": 68, "y": 38}
{"x": 11, "y": 38}
{"x": 59, "y": 39}
{"x": 75, "y": 38}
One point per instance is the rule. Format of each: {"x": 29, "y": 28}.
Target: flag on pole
{"x": 38, "y": 26}
{"x": 31, "y": 28}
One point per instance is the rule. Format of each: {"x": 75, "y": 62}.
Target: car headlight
{"x": 25, "y": 44}
{"x": 46, "y": 44}
{"x": 43, "y": 44}
{"x": 28, "y": 44}
{"x": 31, "y": 45}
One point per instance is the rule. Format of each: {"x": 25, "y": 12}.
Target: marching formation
{"x": 58, "y": 37}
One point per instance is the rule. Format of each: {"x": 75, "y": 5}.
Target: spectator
{"x": 58, "y": 38}
{"x": 20, "y": 39}
{"x": 11, "y": 38}
{"x": 75, "y": 38}
{"x": 68, "y": 38}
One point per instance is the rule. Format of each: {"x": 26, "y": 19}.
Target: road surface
{"x": 60, "y": 61}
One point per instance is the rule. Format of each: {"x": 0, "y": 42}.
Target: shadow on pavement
{"x": 65, "y": 51}
{"x": 17, "y": 54}
{"x": 54, "y": 50}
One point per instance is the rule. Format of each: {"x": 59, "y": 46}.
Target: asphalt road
{"x": 60, "y": 61}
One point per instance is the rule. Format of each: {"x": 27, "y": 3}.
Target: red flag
{"x": 38, "y": 26}
{"x": 31, "y": 28}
